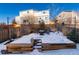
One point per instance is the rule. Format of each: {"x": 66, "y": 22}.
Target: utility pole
{"x": 75, "y": 23}
{"x": 8, "y": 28}
{"x": 75, "y": 27}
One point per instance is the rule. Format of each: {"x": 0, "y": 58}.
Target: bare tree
{"x": 54, "y": 10}
{"x": 14, "y": 22}
{"x": 29, "y": 19}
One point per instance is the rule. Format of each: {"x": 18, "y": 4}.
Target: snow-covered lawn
{"x": 51, "y": 38}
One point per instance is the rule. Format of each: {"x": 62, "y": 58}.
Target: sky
{"x": 12, "y": 10}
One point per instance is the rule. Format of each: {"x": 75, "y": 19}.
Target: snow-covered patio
{"x": 53, "y": 37}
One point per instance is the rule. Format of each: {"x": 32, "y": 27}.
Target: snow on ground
{"x": 52, "y": 37}
{"x": 51, "y": 52}
{"x": 2, "y": 47}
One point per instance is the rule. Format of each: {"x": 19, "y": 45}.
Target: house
{"x": 69, "y": 18}
{"x": 32, "y": 17}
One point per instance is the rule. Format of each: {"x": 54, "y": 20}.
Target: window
{"x": 39, "y": 18}
{"x": 27, "y": 21}
{"x": 59, "y": 16}
{"x": 44, "y": 12}
{"x": 24, "y": 21}
{"x": 27, "y": 11}
{"x": 46, "y": 17}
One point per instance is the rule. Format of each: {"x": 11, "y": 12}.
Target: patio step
{"x": 38, "y": 44}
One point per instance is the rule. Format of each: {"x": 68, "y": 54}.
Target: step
{"x": 39, "y": 44}
{"x": 37, "y": 47}
{"x": 39, "y": 41}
